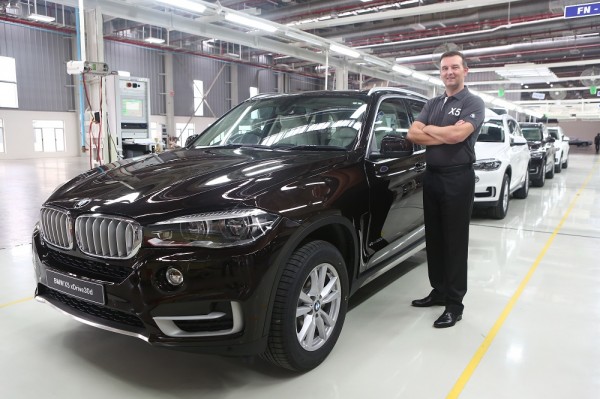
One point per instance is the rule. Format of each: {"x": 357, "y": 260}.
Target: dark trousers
{"x": 448, "y": 203}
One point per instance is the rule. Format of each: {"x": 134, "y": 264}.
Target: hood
{"x": 158, "y": 185}
{"x": 485, "y": 150}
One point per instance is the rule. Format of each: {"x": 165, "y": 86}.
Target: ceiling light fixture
{"x": 376, "y": 61}
{"x": 402, "y": 70}
{"x": 185, "y": 5}
{"x": 421, "y": 76}
{"x": 154, "y": 40}
{"x": 303, "y": 38}
{"x": 249, "y": 22}
{"x": 41, "y": 18}
{"x": 527, "y": 73}
{"x": 344, "y": 50}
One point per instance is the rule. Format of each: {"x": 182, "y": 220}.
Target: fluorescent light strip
{"x": 185, "y": 5}
{"x": 250, "y": 23}
{"x": 421, "y": 76}
{"x": 303, "y": 38}
{"x": 402, "y": 70}
{"x": 154, "y": 40}
{"x": 344, "y": 50}
{"x": 376, "y": 61}
{"x": 41, "y": 18}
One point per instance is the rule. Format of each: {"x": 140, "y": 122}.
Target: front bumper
{"x": 488, "y": 184}
{"x": 222, "y": 307}
{"x": 537, "y": 168}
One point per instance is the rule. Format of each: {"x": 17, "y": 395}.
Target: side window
{"x": 415, "y": 107}
{"x": 391, "y": 119}
{"x": 514, "y": 128}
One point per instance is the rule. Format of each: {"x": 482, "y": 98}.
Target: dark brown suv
{"x": 252, "y": 238}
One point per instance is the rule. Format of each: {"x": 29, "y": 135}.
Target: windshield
{"x": 553, "y": 133}
{"x": 491, "y": 132}
{"x": 313, "y": 121}
{"x": 532, "y": 133}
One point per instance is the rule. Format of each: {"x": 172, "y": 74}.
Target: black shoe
{"x": 428, "y": 301}
{"x": 447, "y": 319}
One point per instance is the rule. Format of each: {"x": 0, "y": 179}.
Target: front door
{"x": 396, "y": 199}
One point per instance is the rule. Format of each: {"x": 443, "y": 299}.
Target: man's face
{"x": 453, "y": 72}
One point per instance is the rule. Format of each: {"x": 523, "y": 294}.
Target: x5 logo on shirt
{"x": 455, "y": 111}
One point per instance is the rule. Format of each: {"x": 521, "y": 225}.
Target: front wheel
{"x": 499, "y": 211}
{"x": 565, "y": 164}
{"x": 558, "y": 167}
{"x": 310, "y": 307}
{"x": 523, "y": 192}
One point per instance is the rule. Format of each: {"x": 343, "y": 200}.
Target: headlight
{"x": 487, "y": 164}
{"x": 537, "y": 154}
{"x": 211, "y": 230}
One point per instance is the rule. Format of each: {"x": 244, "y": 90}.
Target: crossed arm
{"x": 419, "y": 133}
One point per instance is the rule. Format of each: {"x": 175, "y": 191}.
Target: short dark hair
{"x": 452, "y": 53}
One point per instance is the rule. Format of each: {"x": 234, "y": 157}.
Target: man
{"x": 597, "y": 142}
{"x": 448, "y": 126}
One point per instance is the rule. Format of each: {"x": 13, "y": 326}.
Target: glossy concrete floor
{"x": 531, "y": 326}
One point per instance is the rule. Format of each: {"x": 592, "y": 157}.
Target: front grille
{"x": 91, "y": 309}
{"x": 108, "y": 236}
{"x": 56, "y": 227}
{"x": 87, "y": 268}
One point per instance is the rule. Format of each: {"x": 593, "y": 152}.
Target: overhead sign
{"x": 582, "y": 10}
{"x": 538, "y": 96}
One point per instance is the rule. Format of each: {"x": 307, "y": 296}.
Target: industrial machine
{"x": 128, "y": 115}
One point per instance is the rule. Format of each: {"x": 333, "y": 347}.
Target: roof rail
{"x": 396, "y": 89}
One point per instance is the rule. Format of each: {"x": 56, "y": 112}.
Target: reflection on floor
{"x": 546, "y": 347}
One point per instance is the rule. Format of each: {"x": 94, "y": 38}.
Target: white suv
{"x": 502, "y": 166}
{"x": 561, "y": 143}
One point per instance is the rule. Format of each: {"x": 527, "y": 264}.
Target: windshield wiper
{"x": 316, "y": 148}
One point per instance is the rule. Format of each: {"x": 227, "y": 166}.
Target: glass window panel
{"x": 38, "y": 144}
{"x": 1, "y": 136}
{"x": 60, "y": 139}
{"x": 48, "y": 140}
{"x": 8, "y": 69}
{"x": 198, "y": 98}
{"x": 49, "y": 135}
{"x": 9, "y": 97}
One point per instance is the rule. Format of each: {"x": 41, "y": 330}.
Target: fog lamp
{"x": 174, "y": 276}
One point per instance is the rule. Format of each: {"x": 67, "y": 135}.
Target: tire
{"x": 558, "y": 167}
{"x": 309, "y": 309}
{"x": 523, "y": 192}
{"x": 550, "y": 173}
{"x": 565, "y": 164}
{"x": 499, "y": 211}
{"x": 539, "y": 182}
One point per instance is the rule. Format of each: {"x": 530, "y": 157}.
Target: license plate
{"x": 78, "y": 288}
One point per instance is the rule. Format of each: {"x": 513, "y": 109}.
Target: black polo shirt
{"x": 446, "y": 111}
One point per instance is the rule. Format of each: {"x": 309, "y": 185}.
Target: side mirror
{"x": 190, "y": 140}
{"x": 517, "y": 140}
{"x": 395, "y": 147}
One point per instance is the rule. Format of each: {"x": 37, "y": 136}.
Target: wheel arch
{"x": 335, "y": 229}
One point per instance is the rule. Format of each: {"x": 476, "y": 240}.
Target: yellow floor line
{"x": 4, "y": 305}
{"x": 487, "y": 342}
